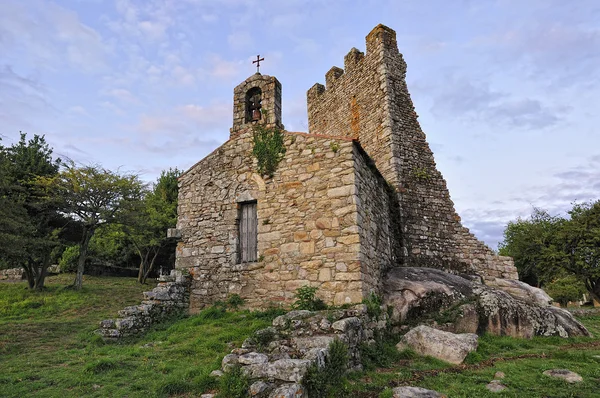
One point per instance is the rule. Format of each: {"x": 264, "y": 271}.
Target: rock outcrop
{"x": 462, "y": 304}
{"x": 448, "y": 347}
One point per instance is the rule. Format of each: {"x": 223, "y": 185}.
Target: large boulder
{"x": 521, "y": 290}
{"x": 467, "y": 305}
{"x": 442, "y": 345}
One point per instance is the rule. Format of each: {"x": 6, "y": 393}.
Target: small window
{"x": 248, "y": 232}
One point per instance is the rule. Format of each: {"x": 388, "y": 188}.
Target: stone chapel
{"x": 356, "y": 195}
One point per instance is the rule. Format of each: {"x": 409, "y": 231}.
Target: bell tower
{"x": 257, "y": 100}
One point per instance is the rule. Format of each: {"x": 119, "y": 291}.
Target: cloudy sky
{"x": 507, "y": 91}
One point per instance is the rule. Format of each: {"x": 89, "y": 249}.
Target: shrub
{"x": 234, "y": 301}
{"x": 566, "y": 289}
{"x": 373, "y": 303}
{"x": 233, "y": 384}
{"x": 268, "y": 149}
{"x": 68, "y": 260}
{"x": 321, "y": 383}
{"x": 306, "y": 300}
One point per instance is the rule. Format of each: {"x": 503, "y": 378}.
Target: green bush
{"x": 234, "y": 302}
{"x": 373, "y": 303}
{"x": 268, "y": 149}
{"x": 233, "y": 384}
{"x": 566, "y": 289}
{"x": 323, "y": 382}
{"x": 68, "y": 260}
{"x": 306, "y": 300}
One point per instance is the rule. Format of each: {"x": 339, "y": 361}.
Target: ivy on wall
{"x": 269, "y": 148}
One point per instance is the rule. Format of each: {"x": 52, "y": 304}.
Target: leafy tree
{"x": 547, "y": 248}
{"x": 30, "y": 222}
{"x": 147, "y": 224}
{"x": 94, "y": 196}
{"x": 566, "y": 289}
{"x": 530, "y": 242}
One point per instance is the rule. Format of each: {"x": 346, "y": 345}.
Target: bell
{"x": 255, "y": 115}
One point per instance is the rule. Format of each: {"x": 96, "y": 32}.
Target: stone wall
{"x": 166, "y": 300}
{"x": 277, "y": 358}
{"x": 307, "y": 223}
{"x": 12, "y": 274}
{"x": 271, "y": 102}
{"x": 369, "y": 100}
{"x": 377, "y": 221}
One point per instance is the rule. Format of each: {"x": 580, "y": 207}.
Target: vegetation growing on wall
{"x": 268, "y": 149}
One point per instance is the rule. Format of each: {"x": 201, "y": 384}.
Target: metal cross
{"x": 257, "y": 62}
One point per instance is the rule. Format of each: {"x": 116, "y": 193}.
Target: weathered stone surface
{"x": 446, "y": 346}
{"x": 216, "y": 373}
{"x": 521, "y": 290}
{"x": 12, "y": 274}
{"x": 499, "y": 375}
{"x": 289, "y": 391}
{"x": 565, "y": 374}
{"x": 283, "y": 369}
{"x": 414, "y": 392}
{"x": 252, "y": 358}
{"x": 495, "y": 386}
{"x": 164, "y": 301}
{"x": 416, "y": 293}
{"x": 258, "y": 388}
{"x": 229, "y": 361}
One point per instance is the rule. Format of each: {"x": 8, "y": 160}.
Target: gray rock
{"x": 565, "y": 374}
{"x": 216, "y": 373}
{"x": 414, "y": 392}
{"x": 522, "y": 291}
{"x": 282, "y": 320}
{"x": 346, "y": 324}
{"x": 499, "y": 375}
{"x": 207, "y": 396}
{"x": 289, "y": 391}
{"x": 495, "y": 386}
{"x": 258, "y": 388}
{"x": 304, "y": 344}
{"x": 229, "y": 361}
{"x": 253, "y": 358}
{"x": 415, "y": 292}
{"x": 283, "y": 369}
{"x": 446, "y": 346}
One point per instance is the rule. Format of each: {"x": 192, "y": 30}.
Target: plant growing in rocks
{"x": 268, "y": 149}
{"x": 306, "y": 300}
{"x": 321, "y": 382}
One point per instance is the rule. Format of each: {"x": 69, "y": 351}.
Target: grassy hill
{"x": 48, "y": 349}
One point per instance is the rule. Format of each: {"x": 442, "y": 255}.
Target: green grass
{"x": 523, "y": 362}
{"x": 48, "y": 348}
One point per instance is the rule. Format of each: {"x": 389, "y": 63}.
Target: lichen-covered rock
{"x": 565, "y": 374}
{"x": 418, "y": 293}
{"x": 289, "y": 391}
{"x": 414, "y": 392}
{"x": 229, "y": 361}
{"x": 165, "y": 300}
{"x": 283, "y": 369}
{"x": 446, "y": 346}
{"x": 521, "y": 290}
{"x": 495, "y": 386}
{"x": 253, "y": 358}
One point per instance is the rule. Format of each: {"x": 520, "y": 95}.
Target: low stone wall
{"x": 277, "y": 358}
{"x": 164, "y": 301}
{"x": 12, "y": 274}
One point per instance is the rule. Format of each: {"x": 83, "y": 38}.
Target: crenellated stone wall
{"x": 369, "y": 100}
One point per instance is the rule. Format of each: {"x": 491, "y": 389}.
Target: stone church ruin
{"x": 354, "y": 197}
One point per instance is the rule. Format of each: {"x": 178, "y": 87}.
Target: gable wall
{"x": 369, "y": 99}
{"x": 306, "y": 223}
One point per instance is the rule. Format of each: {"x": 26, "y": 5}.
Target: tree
{"x": 579, "y": 250}
{"x": 31, "y": 222}
{"x": 529, "y": 242}
{"x": 547, "y": 248}
{"x": 147, "y": 224}
{"x": 566, "y": 289}
{"x": 94, "y": 196}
